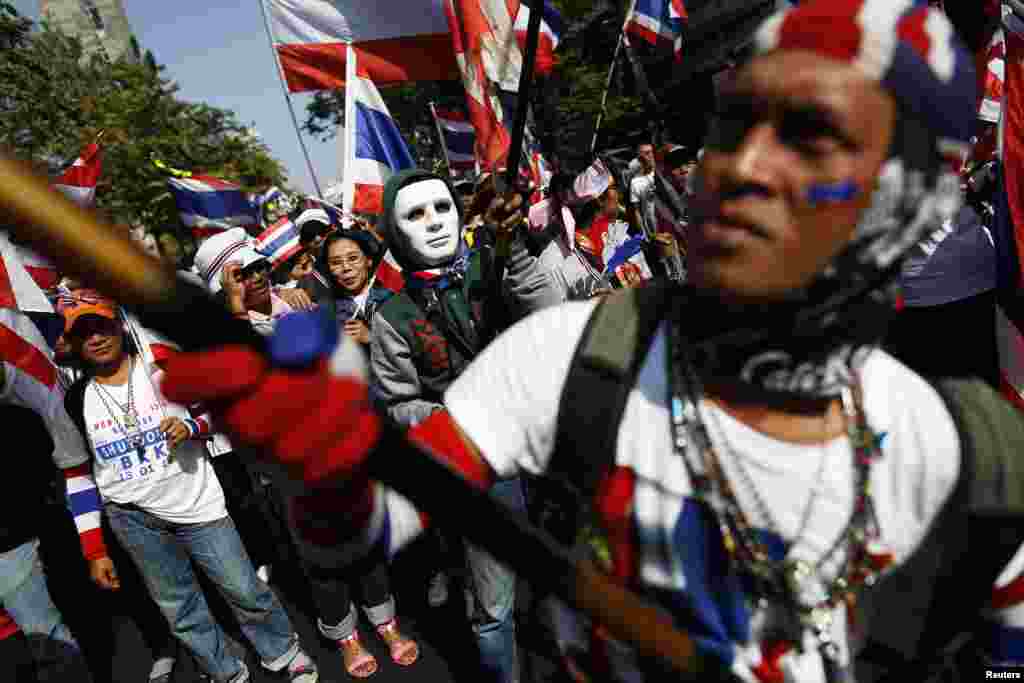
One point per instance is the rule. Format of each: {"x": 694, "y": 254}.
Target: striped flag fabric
{"x": 279, "y": 242}
{"x": 389, "y": 273}
{"x": 79, "y": 181}
{"x": 1008, "y": 227}
{"x": 458, "y": 138}
{"x": 488, "y": 59}
{"x": 395, "y": 42}
{"x": 658, "y": 23}
{"x": 551, "y": 29}
{"x": 211, "y": 205}
{"x": 376, "y": 148}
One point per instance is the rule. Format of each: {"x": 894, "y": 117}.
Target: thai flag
{"x": 279, "y": 242}
{"x": 658, "y": 22}
{"x": 486, "y": 60}
{"x": 394, "y": 41}
{"x": 79, "y": 181}
{"x": 20, "y": 292}
{"x": 389, "y": 273}
{"x": 210, "y": 205}
{"x": 551, "y": 29}
{"x": 377, "y": 150}
{"x": 458, "y": 138}
{"x": 1008, "y": 227}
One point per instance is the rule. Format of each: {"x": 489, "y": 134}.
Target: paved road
{"x": 112, "y": 634}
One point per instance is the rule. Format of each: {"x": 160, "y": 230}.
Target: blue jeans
{"x": 24, "y": 595}
{"x": 26, "y": 598}
{"x": 162, "y": 551}
{"x": 493, "y": 599}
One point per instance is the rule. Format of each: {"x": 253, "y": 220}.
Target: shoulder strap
{"x": 74, "y": 405}
{"x": 603, "y": 370}
{"x": 979, "y": 529}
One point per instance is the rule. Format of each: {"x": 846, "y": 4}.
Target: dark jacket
{"x": 31, "y": 476}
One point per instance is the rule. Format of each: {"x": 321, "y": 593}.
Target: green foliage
{"x": 54, "y": 100}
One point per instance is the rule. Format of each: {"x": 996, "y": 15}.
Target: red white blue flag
{"x": 375, "y": 148}
{"x": 211, "y": 205}
{"x": 394, "y": 41}
{"x": 551, "y": 29}
{"x": 458, "y": 137}
{"x": 658, "y": 22}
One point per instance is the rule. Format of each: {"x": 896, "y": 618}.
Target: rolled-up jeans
{"x": 23, "y": 593}
{"x": 492, "y": 599}
{"x": 164, "y": 552}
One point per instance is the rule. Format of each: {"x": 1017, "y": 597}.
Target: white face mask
{"x": 426, "y": 216}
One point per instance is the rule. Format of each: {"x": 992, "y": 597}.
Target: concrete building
{"x": 101, "y": 25}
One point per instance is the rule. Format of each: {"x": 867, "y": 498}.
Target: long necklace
{"x": 129, "y": 421}
{"x": 791, "y": 582}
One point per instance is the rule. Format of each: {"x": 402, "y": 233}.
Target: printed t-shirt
{"x": 179, "y": 486}
{"x": 508, "y": 404}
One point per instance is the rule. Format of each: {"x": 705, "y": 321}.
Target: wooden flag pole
{"x": 113, "y": 263}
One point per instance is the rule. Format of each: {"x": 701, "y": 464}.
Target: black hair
{"x": 283, "y": 272}
{"x": 366, "y": 242}
{"x": 311, "y": 230}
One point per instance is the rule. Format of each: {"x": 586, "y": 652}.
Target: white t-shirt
{"x": 640, "y": 186}
{"x": 179, "y": 486}
{"x": 508, "y": 405}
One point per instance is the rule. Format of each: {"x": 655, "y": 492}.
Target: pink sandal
{"x": 357, "y": 658}
{"x": 404, "y": 651}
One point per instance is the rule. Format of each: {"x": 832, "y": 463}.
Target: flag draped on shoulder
{"x": 395, "y": 42}
{"x": 376, "y": 148}
{"x": 458, "y": 138}
{"x": 211, "y": 205}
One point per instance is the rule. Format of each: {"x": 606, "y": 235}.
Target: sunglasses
{"x": 254, "y": 269}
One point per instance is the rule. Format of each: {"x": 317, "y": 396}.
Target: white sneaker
{"x": 437, "y": 590}
{"x": 264, "y": 573}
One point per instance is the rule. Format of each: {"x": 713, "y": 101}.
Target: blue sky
{"x": 217, "y": 52}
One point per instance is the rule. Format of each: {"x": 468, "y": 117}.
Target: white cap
{"x": 230, "y": 246}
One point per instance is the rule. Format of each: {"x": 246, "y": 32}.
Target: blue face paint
{"x": 832, "y": 193}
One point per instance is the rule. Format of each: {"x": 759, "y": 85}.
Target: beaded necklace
{"x": 791, "y": 582}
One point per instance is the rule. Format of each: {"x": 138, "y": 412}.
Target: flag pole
{"x": 440, "y": 137}
{"x": 348, "y": 172}
{"x": 607, "y": 87}
{"x": 515, "y": 150}
{"x": 288, "y": 100}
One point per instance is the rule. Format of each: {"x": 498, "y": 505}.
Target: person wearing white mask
{"x": 423, "y": 337}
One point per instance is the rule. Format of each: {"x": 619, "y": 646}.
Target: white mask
{"x": 426, "y": 216}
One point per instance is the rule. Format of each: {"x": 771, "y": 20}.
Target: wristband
{"x": 193, "y": 427}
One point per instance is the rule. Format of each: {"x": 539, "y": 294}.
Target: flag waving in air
{"x": 482, "y": 33}
{"x": 551, "y": 29}
{"x": 658, "y": 22}
{"x": 79, "y": 181}
{"x": 211, "y": 205}
{"x": 457, "y": 137}
{"x": 395, "y": 41}
{"x": 375, "y": 148}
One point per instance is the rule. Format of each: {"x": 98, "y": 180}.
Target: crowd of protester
{"x": 474, "y": 362}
